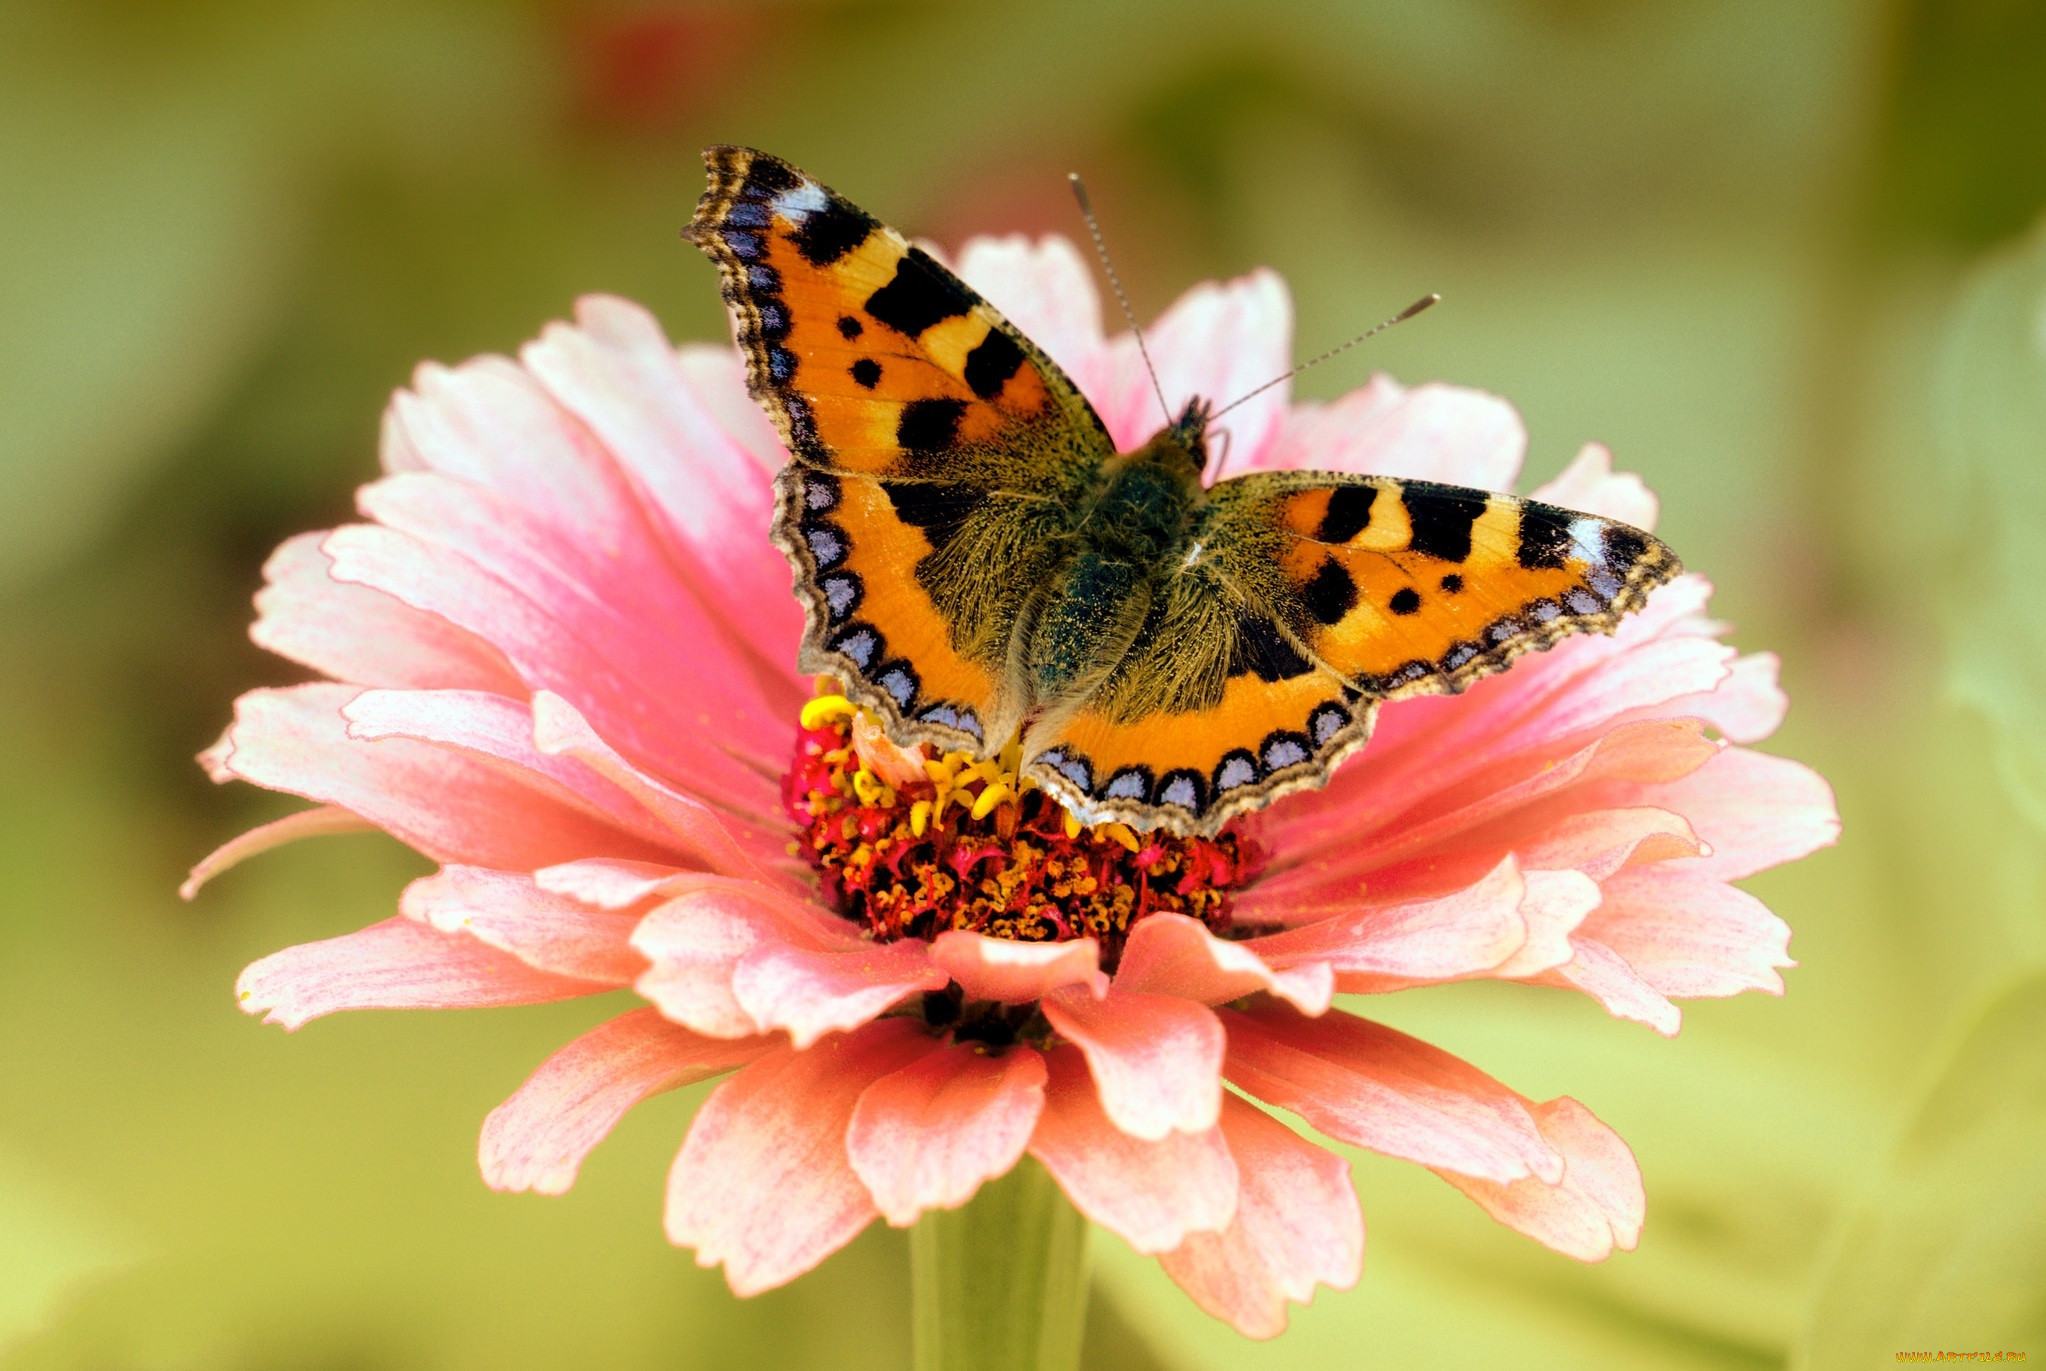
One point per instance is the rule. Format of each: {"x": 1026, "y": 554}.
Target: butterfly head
{"x": 1183, "y": 445}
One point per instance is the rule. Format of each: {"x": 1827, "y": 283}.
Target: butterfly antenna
{"x": 1101, "y": 251}
{"x": 1409, "y": 312}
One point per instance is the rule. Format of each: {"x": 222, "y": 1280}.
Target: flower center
{"x": 967, "y": 844}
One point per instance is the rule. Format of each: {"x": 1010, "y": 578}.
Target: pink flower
{"x": 560, "y": 654}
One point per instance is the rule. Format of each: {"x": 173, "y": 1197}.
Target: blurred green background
{"x": 1777, "y": 253}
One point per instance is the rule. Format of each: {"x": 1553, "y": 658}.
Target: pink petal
{"x": 634, "y": 645}
{"x": 1598, "y": 1204}
{"x": 1433, "y": 432}
{"x": 697, "y": 938}
{"x": 1376, "y": 948}
{"x": 1045, "y": 288}
{"x": 1297, "y": 1224}
{"x": 1690, "y": 936}
{"x": 509, "y": 911}
{"x": 450, "y": 806}
{"x": 1591, "y": 485}
{"x": 1366, "y": 834}
{"x": 734, "y": 841}
{"x": 1017, "y": 973}
{"x": 364, "y": 636}
{"x": 1556, "y": 903}
{"x": 811, "y": 992}
{"x": 616, "y": 372}
{"x": 498, "y": 732}
{"x": 716, "y": 376}
{"x": 542, "y": 648}
{"x": 763, "y": 1183}
{"x": 927, "y": 1136}
{"x": 397, "y": 964}
{"x": 1371, "y": 1086}
{"x": 604, "y": 883}
{"x": 307, "y": 823}
{"x": 1756, "y": 811}
{"x": 1216, "y": 341}
{"x": 1157, "y": 1059}
{"x": 1151, "y": 1194}
{"x": 1604, "y": 975}
{"x": 547, "y": 647}
{"x": 537, "y": 1139}
{"x": 1602, "y": 841}
{"x": 1746, "y": 707}
{"x": 1171, "y": 954}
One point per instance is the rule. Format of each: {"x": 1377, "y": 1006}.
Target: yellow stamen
{"x": 920, "y": 817}
{"x": 941, "y": 773}
{"x": 867, "y": 786}
{"x": 826, "y": 707}
{"x": 985, "y": 804}
{"x": 1072, "y": 824}
{"x": 1120, "y": 832}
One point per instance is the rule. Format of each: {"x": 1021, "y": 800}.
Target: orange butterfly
{"x": 978, "y": 563}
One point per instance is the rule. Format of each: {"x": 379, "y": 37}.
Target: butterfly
{"x": 978, "y": 563}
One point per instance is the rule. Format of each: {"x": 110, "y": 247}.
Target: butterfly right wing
{"x": 938, "y": 451}
{"x": 1312, "y": 598}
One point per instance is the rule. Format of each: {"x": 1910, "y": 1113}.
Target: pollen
{"x": 974, "y": 845}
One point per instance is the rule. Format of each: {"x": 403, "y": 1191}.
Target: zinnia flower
{"x": 560, "y": 648}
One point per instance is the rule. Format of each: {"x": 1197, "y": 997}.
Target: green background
{"x": 1777, "y": 253}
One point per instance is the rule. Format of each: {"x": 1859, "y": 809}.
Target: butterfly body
{"x": 978, "y": 562}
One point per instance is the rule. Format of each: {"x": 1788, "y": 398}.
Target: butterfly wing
{"x": 937, "y": 450}
{"x": 1311, "y": 599}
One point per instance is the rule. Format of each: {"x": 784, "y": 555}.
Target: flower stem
{"x": 1001, "y": 1283}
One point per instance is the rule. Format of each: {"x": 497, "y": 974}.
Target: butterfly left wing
{"x": 1310, "y": 599}
{"x": 937, "y": 451}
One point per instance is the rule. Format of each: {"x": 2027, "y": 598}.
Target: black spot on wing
{"x": 1544, "y": 537}
{"x": 1261, "y": 650}
{"x": 1452, "y": 583}
{"x": 1624, "y": 546}
{"x": 990, "y": 365}
{"x": 866, "y": 372}
{"x": 1349, "y": 510}
{"x": 771, "y": 176}
{"x": 1441, "y": 520}
{"x": 929, "y": 426}
{"x": 1331, "y": 594}
{"x": 920, "y": 294}
{"x": 849, "y": 328}
{"x": 830, "y": 233}
{"x": 1404, "y": 601}
{"x": 939, "y": 510}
